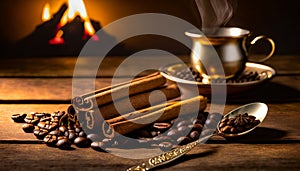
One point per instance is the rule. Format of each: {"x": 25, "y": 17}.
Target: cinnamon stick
{"x": 170, "y": 112}
{"x": 104, "y": 96}
{"x": 139, "y": 101}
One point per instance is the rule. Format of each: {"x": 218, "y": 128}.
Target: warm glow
{"x": 46, "y": 12}
{"x": 57, "y": 39}
{"x": 77, "y": 8}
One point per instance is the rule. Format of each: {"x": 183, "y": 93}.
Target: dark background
{"x": 275, "y": 18}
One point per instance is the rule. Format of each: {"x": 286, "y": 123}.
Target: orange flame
{"x": 75, "y": 8}
{"x": 46, "y": 12}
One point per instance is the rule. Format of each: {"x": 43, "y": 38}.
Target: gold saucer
{"x": 264, "y": 72}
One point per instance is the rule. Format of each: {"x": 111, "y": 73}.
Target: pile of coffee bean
{"x": 238, "y": 124}
{"x": 192, "y": 75}
{"x": 58, "y": 129}
{"x": 165, "y": 135}
{"x": 61, "y": 129}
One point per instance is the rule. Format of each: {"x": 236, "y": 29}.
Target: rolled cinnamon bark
{"x": 104, "y": 96}
{"x": 170, "y": 112}
{"x": 139, "y": 101}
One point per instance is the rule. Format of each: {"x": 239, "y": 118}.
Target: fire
{"x": 75, "y": 8}
{"x": 46, "y": 12}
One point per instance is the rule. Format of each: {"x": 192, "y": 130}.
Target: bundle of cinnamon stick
{"x": 117, "y": 116}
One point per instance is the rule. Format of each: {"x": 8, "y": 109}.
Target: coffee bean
{"x": 161, "y": 126}
{"x": 197, "y": 127}
{"x": 165, "y": 145}
{"x": 182, "y": 123}
{"x": 81, "y": 142}
{"x": 93, "y": 137}
{"x": 40, "y": 133}
{"x": 19, "y": 118}
{"x": 82, "y": 134}
{"x": 194, "y": 135}
{"x": 63, "y": 143}
{"x": 172, "y": 133}
{"x": 72, "y": 135}
{"x": 161, "y": 138}
{"x": 62, "y": 129}
{"x": 50, "y": 140}
{"x": 182, "y": 130}
{"x": 28, "y": 128}
{"x": 98, "y": 145}
{"x": 55, "y": 132}
{"x": 238, "y": 124}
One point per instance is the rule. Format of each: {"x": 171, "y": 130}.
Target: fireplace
{"x": 21, "y": 18}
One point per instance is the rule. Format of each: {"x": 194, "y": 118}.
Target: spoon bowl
{"x": 257, "y": 109}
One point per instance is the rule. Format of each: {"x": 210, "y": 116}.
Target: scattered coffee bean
{"x": 19, "y": 118}
{"x": 63, "y": 143}
{"x": 165, "y": 145}
{"x": 28, "y": 128}
{"x": 98, "y": 145}
{"x": 162, "y": 126}
{"x": 81, "y": 142}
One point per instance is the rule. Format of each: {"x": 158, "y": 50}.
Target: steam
{"x": 215, "y": 13}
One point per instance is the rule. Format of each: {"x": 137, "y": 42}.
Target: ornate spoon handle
{"x": 167, "y": 156}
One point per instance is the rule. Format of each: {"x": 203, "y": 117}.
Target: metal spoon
{"x": 257, "y": 109}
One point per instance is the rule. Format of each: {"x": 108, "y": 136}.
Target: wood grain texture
{"x": 287, "y": 88}
{"x": 64, "y": 66}
{"x": 203, "y": 157}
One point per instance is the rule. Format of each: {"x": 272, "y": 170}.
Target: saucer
{"x": 173, "y": 73}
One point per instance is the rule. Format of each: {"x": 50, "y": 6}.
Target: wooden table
{"x": 44, "y": 85}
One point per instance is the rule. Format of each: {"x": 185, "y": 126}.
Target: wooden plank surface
{"x": 60, "y": 89}
{"x": 279, "y": 125}
{"x": 203, "y": 157}
{"x": 64, "y": 66}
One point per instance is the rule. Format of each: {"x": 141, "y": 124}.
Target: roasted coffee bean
{"x": 182, "y": 130}
{"x": 78, "y": 129}
{"x": 55, "y": 132}
{"x": 71, "y": 135}
{"x": 98, "y": 145}
{"x": 82, "y": 134}
{"x": 81, "y": 142}
{"x": 40, "y": 133}
{"x": 196, "y": 127}
{"x": 161, "y": 138}
{"x": 62, "y": 129}
{"x": 165, "y": 145}
{"x": 194, "y": 135}
{"x": 31, "y": 119}
{"x": 182, "y": 123}
{"x": 153, "y": 133}
{"x": 161, "y": 126}
{"x": 28, "y": 128}
{"x": 63, "y": 143}
{"x": 93, "y": 137}
{"x": 172, "y": 133}
{"x": 238, "y": 124}
{"x": 39, "y": 115}
{"x": 19, "y": 118}
{"x": 50, "y": 140}
{"x": 45, "y": 118}
{"x": 58, "y": 114}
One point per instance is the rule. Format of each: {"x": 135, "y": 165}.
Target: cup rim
{"x": 218, "y": 32}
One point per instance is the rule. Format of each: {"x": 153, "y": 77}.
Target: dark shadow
{"x": 269, "y": 93}
{"x": 261, "y": 135}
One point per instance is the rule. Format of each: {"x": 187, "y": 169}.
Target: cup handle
{"x": 270, "y": 41}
